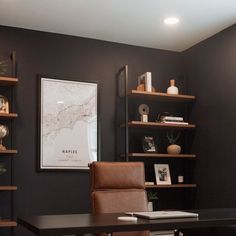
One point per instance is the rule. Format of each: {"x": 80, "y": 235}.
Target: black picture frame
{"x": 72, "y": 155}
{"x": 149, "y": 144}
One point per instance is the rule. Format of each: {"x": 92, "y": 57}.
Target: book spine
{"x": 175, "y": 122}
{"x": 149, "y": 183}
{"x": 148, "y": 79}
{"x": 172, "y": 118}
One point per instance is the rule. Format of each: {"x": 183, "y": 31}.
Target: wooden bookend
{"x": 141, "y": 87}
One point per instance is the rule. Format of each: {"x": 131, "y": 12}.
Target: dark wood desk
{"x": 80, "y": 224}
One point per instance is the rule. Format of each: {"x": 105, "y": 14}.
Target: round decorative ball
{"x": 173, "y": 149}
{"x": 3, "y": 131}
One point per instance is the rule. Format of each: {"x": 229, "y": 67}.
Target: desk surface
{"x": 89, "y": 223}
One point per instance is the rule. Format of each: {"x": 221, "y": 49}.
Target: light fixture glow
{"x": 171, "y": 20}
{"x": 60, "y": 102}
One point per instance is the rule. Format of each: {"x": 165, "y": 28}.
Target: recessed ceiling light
{"x": 60, "y": 102}
{"x": 171, "y": 20}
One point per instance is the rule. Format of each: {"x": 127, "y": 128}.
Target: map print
{"x": 68, "y": 124}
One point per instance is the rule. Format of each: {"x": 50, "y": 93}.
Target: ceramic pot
{"x": 172, "y": 89}
{"x": 173, "y": 149}
{"x": 152, "y": 205}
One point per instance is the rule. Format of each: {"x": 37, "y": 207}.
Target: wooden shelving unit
{"x": 161, "y": 155}
{"x": 8, "y": 90}
{"x": 8, "y": 188}
{"x": 8, "y": 81}
{"x": 8, "y": 152}
{"x": 172, "y": 186}
{"x": 158, "y": 125}
{"x": 162, "y": 96}
{"x": 8, "y": 115}
{"x": 133, "y": 131}
{"x": 7, "y": 223}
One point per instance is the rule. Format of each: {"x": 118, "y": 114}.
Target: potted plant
{"x": 173, "y": 148}
{"x": 3, "y": 67}
{"x": 152, "y": 200}
{"x": 2, "y": 168}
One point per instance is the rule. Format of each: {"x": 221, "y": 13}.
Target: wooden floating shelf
{"x": 158, "y": 125}
{"x": 6, "y": 81}
{"x": 163, "y": 96}
{"x": 161, "y": 155}
{"x": 7, "y": 223}
{"x": 172, "y": 186}
{"x": 8, "y": 115}
{"x": 8, "y": 152}
{"x": 8, "y": 188}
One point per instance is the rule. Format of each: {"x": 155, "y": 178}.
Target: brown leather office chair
{"x": 118, "y": 187}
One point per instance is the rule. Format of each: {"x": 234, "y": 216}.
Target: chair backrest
{"x": 118, "y": 187}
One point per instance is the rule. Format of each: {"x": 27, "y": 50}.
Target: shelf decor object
{"x": 4, "y": 131}
{"x": 145, "y": 81}
{"x": 143, "y": 110}
{"x": 68, "y": 128}
{"x": 173, "y": 148}
{"x": 2, "y": 168}
{"x": 162, "y": 173}
{"x": 3, "y": 67}
{"x": 149, "y": 144}
{"x": 172, "y": 89}
{"x": 4, "y": 104}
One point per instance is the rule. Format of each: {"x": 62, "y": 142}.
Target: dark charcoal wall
{"x": 211, "y": 69}
{"x": 74, "y": 58}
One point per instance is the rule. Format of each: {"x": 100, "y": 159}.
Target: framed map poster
{"x": 68, "y": 124}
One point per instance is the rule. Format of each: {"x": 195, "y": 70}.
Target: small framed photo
{"x": 162, "y": 173}
{"x": 149, "y": 144}
{"x": 4, "y": 104}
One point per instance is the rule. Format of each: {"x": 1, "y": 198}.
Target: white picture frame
{"x": 162, "y": 173}
{"x": 68, "y": 127}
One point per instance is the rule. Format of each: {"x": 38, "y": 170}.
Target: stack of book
{"x": 150, "y": 183}
{"x": 173, "y": 120}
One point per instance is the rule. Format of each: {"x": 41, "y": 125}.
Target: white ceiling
{"x": 134, "y": 22}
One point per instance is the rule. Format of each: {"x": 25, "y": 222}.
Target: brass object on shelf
{"x": 3, "y": 133}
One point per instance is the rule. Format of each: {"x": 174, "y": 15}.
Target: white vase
{"x": 150, "y": 206}
{"x": 172, "y": 89}
{"x": 173, "y": 149}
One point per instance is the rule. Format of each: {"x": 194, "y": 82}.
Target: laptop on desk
{"x": 164, "y": 214}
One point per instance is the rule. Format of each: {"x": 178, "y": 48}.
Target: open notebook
{"x": 164, "y": 214}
